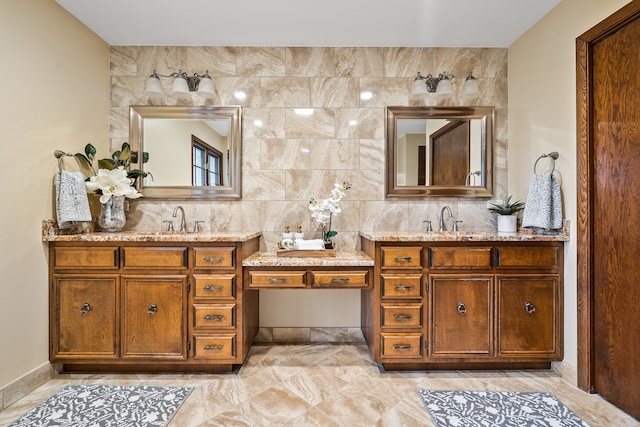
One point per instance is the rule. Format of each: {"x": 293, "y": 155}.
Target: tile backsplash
{"x": 288, "y": 158}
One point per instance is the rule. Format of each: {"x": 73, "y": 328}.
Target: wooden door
{"x": 609, "y": 209}
{"x": 461, "y": 315}
{"x": 154, "y": 316}
{"x": 527, "y": 308}
{"x": 86, "y": 317}
{"x": 449, "y": 148}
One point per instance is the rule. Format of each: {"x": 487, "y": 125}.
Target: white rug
{"x": 461, "y": 408}
{"x": 107, "y": 406}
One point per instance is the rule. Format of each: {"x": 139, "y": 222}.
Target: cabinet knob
{"x": 403, "y": 317}
{"x": 277, "y": 280}
{"x": 213, "y": 317}
{"x": 212, "y": 259}
{"x": 403, "y": 346}
{"x": 86, "y": 307}
{"x": 529, "y": 308}
{"x": 462, "y": 308}
{"x": 212, "y": 288}
{"x": 404, "y": 259}
{"x": 340, "y": 280}
{"x": 212, "y": 347}
{"x": 403, "y": 287}
{"x": 152, "y": 309}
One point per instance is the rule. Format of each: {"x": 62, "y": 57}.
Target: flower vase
{"x": 112, "y": 218}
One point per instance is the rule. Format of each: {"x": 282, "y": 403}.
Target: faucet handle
{"x": 455, "y": 224}
{"x": 170, "y": 227}
{"x": 428, "y": 221}
{"x": 196, "y": 226}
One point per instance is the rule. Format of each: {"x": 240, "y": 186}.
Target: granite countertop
{"x": 465, "y": 236}
{"x": 342, "y": 259}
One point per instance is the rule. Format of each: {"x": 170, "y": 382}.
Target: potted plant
{"x": 507, "y": 214}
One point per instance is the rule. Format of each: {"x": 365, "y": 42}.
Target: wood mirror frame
{"x": 229, "y": 190}
{"x": 485, "y": 119}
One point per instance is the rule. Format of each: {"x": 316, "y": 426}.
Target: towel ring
{"x": 553, "y": 155}
{"x": 60, "y": 155}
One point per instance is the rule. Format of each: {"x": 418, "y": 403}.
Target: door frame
{"x": 585, "y": 182}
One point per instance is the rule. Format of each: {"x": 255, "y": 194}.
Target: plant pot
{"x": 507, "y": 223}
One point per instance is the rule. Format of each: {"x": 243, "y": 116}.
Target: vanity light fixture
{"x": 182, "y": 85}
{"x": 441, "y": 85}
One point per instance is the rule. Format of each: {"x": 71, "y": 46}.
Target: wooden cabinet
{"x": 145, "y": 306}
{"x": 456, "y": 305}
{"x": 303, "y": 277}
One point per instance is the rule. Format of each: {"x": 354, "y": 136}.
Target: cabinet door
{"x": 529, "y": 313}
{"x": 86, "y": 317}
{"x": 154, "y": 316}
{"x": 461, "y": 315}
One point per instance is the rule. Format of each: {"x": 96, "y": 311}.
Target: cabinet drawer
{"x": 156, "y": 257}
{"x": 277, "y": 279}
{"x": 214, "y": 315}
{"x": 448, "y": 257}
{"x": 401, "y": 285}
{"x": 401, "y": 256}
{"x": 528, "y": 257}
{"x": 214, "y": 286}
{"x": 340, "y": 279}
{"x": 216, "y": 347}
{"x": 86, "y": 257}
{"x": 223, "y": 257}
{"x": 401, "y": 346}
{"x": 401, "y": 315}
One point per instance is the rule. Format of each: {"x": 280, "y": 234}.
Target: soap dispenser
{"x": 299, "y": 235}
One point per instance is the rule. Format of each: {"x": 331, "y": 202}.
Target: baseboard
{"x": 309, "y": 335}
{"x": 567, "y": 370}
{"x": 16, "y": 390}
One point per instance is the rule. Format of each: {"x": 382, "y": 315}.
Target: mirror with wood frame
{"x": 439, "y": 152}
{"x": 193, "y": 152}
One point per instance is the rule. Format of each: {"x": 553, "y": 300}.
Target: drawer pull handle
{"x": 529, "y": 308}
{"x": 216, "y": 317}
{"x": 403, "y": 346}
{"x": 462, "y": 308}
{"x": 213, "y": 259}
{"x": 277, "y": 280}
{"x": 212, "y": 288}
{"x": 213, "y": 347}
{"x": 86, "y": 307}
{"x": 404, "y": 259}
{"x": 403, "y": 317}
{"x": 340, "y": 280}
{"x": 403, "y": 287}
{"x": 152, "y": 309}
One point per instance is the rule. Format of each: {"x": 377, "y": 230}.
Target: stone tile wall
{"x": 289, "y": 158}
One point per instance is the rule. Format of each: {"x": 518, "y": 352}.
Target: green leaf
{"x": 145, "y": 157}
{"x": 90, "y": 151}
{"x": 134, "y": 173}
{"x": 106, "y": 164}
{"x": 125, "y": 154}
{"x": 330, "y": 234}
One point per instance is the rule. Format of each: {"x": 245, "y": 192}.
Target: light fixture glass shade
{"x": 444, "y": 89}
{"x": 205, "y": 87}
{"x": 180, "y": 88}
{"x": 153, "y": 88}
{"x": 470, "y": 88}
{"x": 419, "y": 88}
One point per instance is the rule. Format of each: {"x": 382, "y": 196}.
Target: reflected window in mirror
{"x": 194, "y": 152}
{"x": 439, "y": 151}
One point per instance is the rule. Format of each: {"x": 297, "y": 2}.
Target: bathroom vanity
{"x": 464, "y": 300}
{"x": 174, "y": 302}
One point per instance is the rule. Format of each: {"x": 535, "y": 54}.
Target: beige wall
{"x": 542, "y": 116}
{"x": 291, "y": 158}
{"x": 55, "y": 95}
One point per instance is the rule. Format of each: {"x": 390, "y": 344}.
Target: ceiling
{"x": 357, "y": 23}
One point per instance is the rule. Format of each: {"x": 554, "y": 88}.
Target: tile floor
{"x": 327, "y": 385}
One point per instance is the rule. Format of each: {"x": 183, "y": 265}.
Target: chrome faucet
{"x": 183, "y": 221}
{"x": 443, "y": 226}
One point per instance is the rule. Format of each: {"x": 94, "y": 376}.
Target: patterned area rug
{"x": 497, "y": 408}
{"x": 107, "y": 406}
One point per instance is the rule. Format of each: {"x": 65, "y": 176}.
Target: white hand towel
{"x": 313, "y": 244}
{"x": 72, "y": 203}
{"x": 544, "y": 204}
